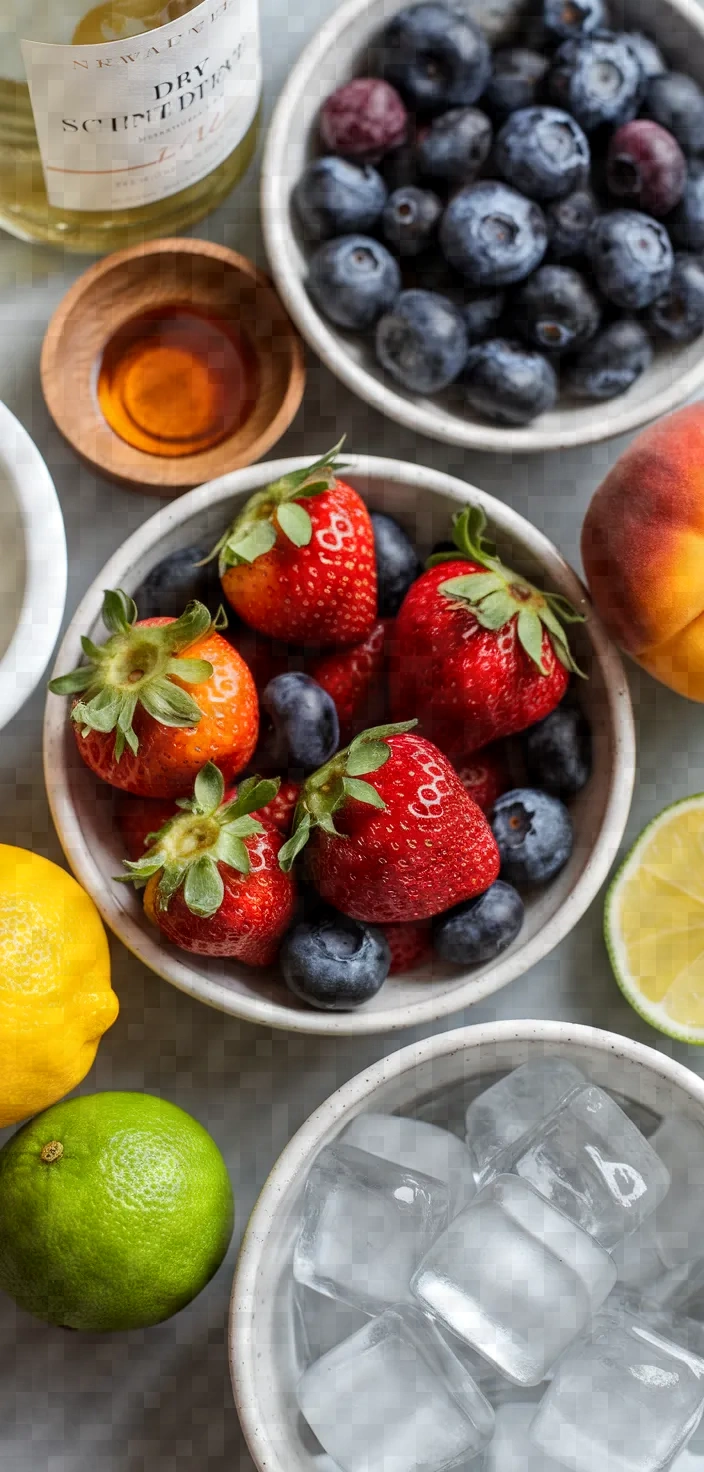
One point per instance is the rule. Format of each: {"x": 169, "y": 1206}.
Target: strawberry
{"x": 478, "y": 651}
{"x": 409, "y": 944}
{"x": 281, "y": 808}
{"x": 298, "y": 563}
{"x": 139, "y": 819}
{"x": 136, "y": 724}
{"x": 355, "y": 679}
{"x": 403, "y": 848}
{"x": 485, "y": 775}
{"x": 211, "y": 878}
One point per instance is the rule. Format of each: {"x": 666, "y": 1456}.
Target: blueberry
{"x": 677, "y": 103}
{"x": 410, "y": 219}
{"x": 543, "y": 152}
{"x": 678, "y": 314}
{"x": 436, "y": 57}
{"x": 645, "y": 167}
{"x": 556, "y": 310}
{"x": 177, "y": 579}
{"x": 515, "y": 81}
{"x": 454, "y": 147}
{"x": 566, "y": 18}
{"x": 686, "y": 223}
{"x": 478, "y": 930}
{"x": 631, "y": 258}
{"x": 612, "y": 361}
{"x": 397, "y": 563}
{"x": 649, "y": 58}
{"x": 508, "y": 383}
{"x": 569, "y": 221}
{"x": 399, "y": 167}
{"x": 558, "y": 751}
{"x": 335, "y": 197}
{"x": 482, "y": 315}
{"x": 492, "y": 235}
{"x": 598, "y": 80}
{"x": 335, "y": 963}
{"x": 353, "y": 280}
{"x": 306, "y": 731}
{"x": 363, "y": 120}
{"x": 533, "y": 832}
{"x": 422, "y": 341}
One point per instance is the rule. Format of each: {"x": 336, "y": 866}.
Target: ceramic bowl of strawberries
{"x": 343, "y": 748}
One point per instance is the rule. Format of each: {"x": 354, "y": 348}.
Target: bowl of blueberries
{"x": 487, "y": 221}
{"x": 490, "y": 1243}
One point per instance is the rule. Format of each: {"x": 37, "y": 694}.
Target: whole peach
{"x": 643, "y": 550}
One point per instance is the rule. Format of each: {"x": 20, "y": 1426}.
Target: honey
{"x": 176, "y": 381}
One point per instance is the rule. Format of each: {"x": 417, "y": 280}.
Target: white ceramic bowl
{"x": 262, "y": 1359}
{"x": 331, "y": 58}
{"x": 33, "y": 568}
{"x": 82, "y": 809}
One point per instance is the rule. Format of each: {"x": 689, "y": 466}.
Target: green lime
{"x": 115, "y": 1210}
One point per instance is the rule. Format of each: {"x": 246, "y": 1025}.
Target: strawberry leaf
{"x": 295, "y": 523}
{"x": 367, "y": 758}
{"x": 209, "y": 788}
{"x": 102, "y": 712}
{"x": 472, "y": 585}
{"x": 230, "y": 850}
{"x": 195, "y": 622}
{"x": 495, "y": 610}
{"x": 73, "y": 683}
{"x": 92, "y": 651}
{"x": 530, "y": 634}
{"x": 363, "y": 792}
{"x": 193, "y": 671}
{"x": 203, "y": 889}
{"x": 169, "y": 705}
{"x": 379, "y": 733}
{"x": 252, "y": 542}
{"x": 298, "y": 840}
{"x": 119, "y": 611}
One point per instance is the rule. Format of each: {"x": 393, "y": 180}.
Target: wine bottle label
{"x": 130, "y": 122}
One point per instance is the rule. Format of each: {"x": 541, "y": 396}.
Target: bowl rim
{"x": 46, "y": 567}
{"x": 244, "y": 1368}
{"x": 430, "y": 1010}
{"x": 416, "y": 412}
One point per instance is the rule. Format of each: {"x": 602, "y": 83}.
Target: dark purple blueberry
{"x": 646, "y": 167}
{"x": 482, "y": 315}
{"x": 678, "y": 314}
{"x": 454, "y": 147}
{"x": 478, "y": 930}
{"x": 422, "y": 341}
{"x": 598, "y": 80}
{"x": 676, "y": 101}
{"x": 353, "y": 280}
{"x": 612, "y": 361}
{"x": 336, "y": 197}
{"x": 555, "y": 310}
{"x": 542, "y": 152}
{"x": 436, "y": 57}
{"x": 534, "y": 836}
{"x": 566, "y": 18}
{"x": 631, "y": 257}
{"x": 507, "y": 382}
{"x": 686, "y": 223}
{"x": 334, "y": 963}
{"x": 175, "y": 581}
{"x": 515, "y": 81}
{"x": 410, "y": 220}
{"x": 363, "y": 119}
{"x": 305, "y": 730}
{"x": 397, "y": 563}
{"x": 569, "y": 221}
{"x": 649, "y": 58}
{"x": 493, "y": 235}
{"x": 558, "y": 751}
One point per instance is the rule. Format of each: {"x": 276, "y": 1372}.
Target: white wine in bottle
{"x": 124, "y": 120}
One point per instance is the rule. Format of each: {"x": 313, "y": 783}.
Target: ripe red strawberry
{"x": 485, "y": 775}
{"x": 136, "y": 725}
{"x": 355, "y": 680}
{"x": 281, "y": 808}
{"x": 409, "y": 944}
{"x": 299, "y": 564}
{"x": 478, "y": 651}
{"x": 139, "y": 819}
{"x": 403, "y": 848}
{"x": 211, "y": 878}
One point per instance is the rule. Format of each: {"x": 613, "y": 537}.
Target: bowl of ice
{"x": 484, "y": 1252}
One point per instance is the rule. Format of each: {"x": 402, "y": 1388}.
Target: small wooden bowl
{"x": 190, "y": 273}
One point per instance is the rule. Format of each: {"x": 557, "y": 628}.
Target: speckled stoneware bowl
{"x": 424, "y": 501}
{"x": 455, "y": 1065}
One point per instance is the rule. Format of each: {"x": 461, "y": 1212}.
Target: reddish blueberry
{"x": 364, "y": 119}
{"x": 646, "y": 167}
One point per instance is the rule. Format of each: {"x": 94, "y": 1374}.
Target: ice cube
{"x": 593, "y": 1163}
{"x": 514, "y": 1278}
{"x": 510, "y": 1449}
{"x": 502, "y": 1114}
{"x": 625, "y": 1400}
{"x": 680, "y": 1219}
{"x": 636, "y": 1256}
{"x": 416, "y": 1145}
{"x": 366, "y": 1224}
{"x": 321, "y": 1323}
{"x": 393, "y": 1398}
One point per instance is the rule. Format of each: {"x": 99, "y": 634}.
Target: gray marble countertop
{"x": 160, "y": 1399}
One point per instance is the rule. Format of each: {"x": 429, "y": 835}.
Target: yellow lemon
{"x": 55, "y": 995}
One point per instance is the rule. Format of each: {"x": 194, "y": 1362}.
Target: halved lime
{"x": 654, "y": 922}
